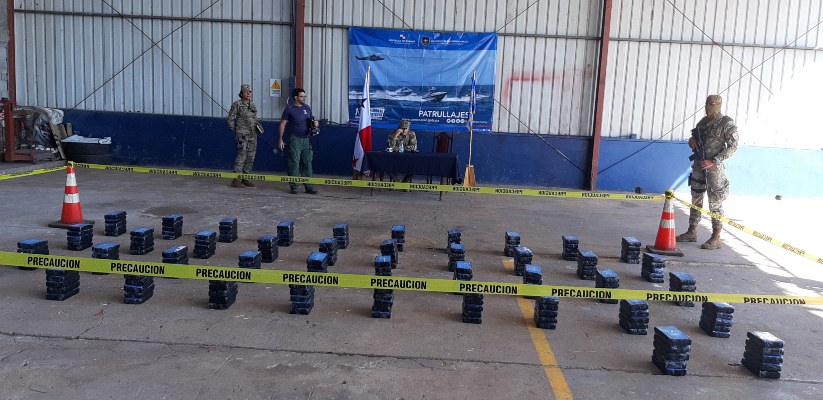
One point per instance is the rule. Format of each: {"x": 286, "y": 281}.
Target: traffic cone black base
{"x": 58, "y": 224}
{"x": 674, "y": 252}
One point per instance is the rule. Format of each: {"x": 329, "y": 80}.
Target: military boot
{"x": 714, "y": 242}
{"x": 248, "y": 183}
{"x": 236, "y": 183}
{"x": 689, "y": 236}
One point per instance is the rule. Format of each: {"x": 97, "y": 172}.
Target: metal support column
{"x": 299, "y": 40}
{"x": 601, "y": 88}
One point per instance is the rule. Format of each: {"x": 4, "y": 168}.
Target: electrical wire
{"x": 748, "y": 72}
{"x": 395, "y": 15}
{"x": 539, "y": 136}
{"x": 153, "y": 44}
{"x": 518, "y": 15}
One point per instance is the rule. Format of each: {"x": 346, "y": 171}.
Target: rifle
{"x": 699, "y": 154}
{"x": 273, "y": 148}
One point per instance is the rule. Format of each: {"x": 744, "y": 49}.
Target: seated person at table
{"x": 406, "y": 138}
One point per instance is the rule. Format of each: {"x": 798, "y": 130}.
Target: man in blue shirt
{"x": 295, "y": 119}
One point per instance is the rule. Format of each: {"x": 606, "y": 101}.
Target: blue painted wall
{"x": 511, "y": 159}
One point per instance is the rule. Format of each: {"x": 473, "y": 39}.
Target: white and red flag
{"x": 362, "y": 143}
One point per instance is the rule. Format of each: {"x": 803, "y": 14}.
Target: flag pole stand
{"x": 469, "y": 179}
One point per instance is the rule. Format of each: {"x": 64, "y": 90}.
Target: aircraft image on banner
{"x": 371, "y": 57}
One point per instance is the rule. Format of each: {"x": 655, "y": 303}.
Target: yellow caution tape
{"x": 33, "y": 172}
{"x": 756, "y": 234}
{"x": 379, "y": 184}
{"x": 378, "y": 282}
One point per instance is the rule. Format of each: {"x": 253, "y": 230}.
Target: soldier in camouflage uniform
{"x": 243, "y": 122}
{"x": 405, "y": 137}
{"x": 713, "y": 141}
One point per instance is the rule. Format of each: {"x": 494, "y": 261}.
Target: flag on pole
{"x": 473, "y": 99}
{"x": 362, "y": 143}
{"x": 468, "y": 179}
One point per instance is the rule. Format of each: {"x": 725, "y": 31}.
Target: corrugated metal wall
{"x": 763, "y": 57}
{"x": 546, "y": 61}
{"x": 89, "y": 55}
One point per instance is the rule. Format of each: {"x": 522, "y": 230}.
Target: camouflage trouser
{"x": 246, "y": 150}
{"x": 714, "y": 181}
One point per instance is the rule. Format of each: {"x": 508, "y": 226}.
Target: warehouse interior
{"x": 591, "y": 108}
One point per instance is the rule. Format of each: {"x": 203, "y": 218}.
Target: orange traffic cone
{"x": 665, "y": 242}
{"x": 72, "y": 212}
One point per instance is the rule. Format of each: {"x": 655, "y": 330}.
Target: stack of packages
{"x": 115, "y": 223}
{"x": 630, "y": 250}
{"x": 653, "y": 268}
{"x": 108, "y": 251}
{"x": 79, "y": 237}
{"x": 634, "y": 316}
{"x": 456, "y": 253}
{"x": 222, "y": 294}
{"x": 205, "y": 244}
{"x": 533, "y": 275}
{"x": 142, "y": 241}
{"x": 398, "y": 232}
{"x": 228, "y": 230}
{"x": 317, "y": 262}
{"x": 176, "y": 255}
{"x": 522, "y": 257}
{"x": 716, "y": 319}
{"x": 250, "y": 259}
{"x": 341, "y": 233}
{"x": 285, "y": 233}
{"x": 302, "y": 296}
{"x": 512, "y": 241}
{"x": 764, "y": 355}
{"x": 545, "y": 312}
{"x": 473, "y": 308}
{"x": 172, "y": 226}
{"x": 389, "y": 248}
{"x": 462, "y": 271}
{"x": 453, "y": 236}
{"x": 671, "y": 350}
{"x": 682, "y": 282}
{"x": 329, "y": 246}
{"x": 302, "y": 299}
{"x": 587, "y": 265}
{"x": 138, "y": 289}
{"x": 61, "y": 284}
{"x": 267, "y": 246}
{"x": 32, "y": 246}
{"x": 570, "y": 248}
{"x": 383, "y": 298}
{"x": 607, "y": 279}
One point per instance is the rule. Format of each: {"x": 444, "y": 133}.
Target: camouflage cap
{"x": 404, "y": 123}
{"x": 244, "y": 88}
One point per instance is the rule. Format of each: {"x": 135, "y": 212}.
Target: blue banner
{"x": 425, "y": 77}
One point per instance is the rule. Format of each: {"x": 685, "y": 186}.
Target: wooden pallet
{"x": 60, "y": 132}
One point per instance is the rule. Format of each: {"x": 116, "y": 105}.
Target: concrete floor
{"x": 93, "y": 346}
